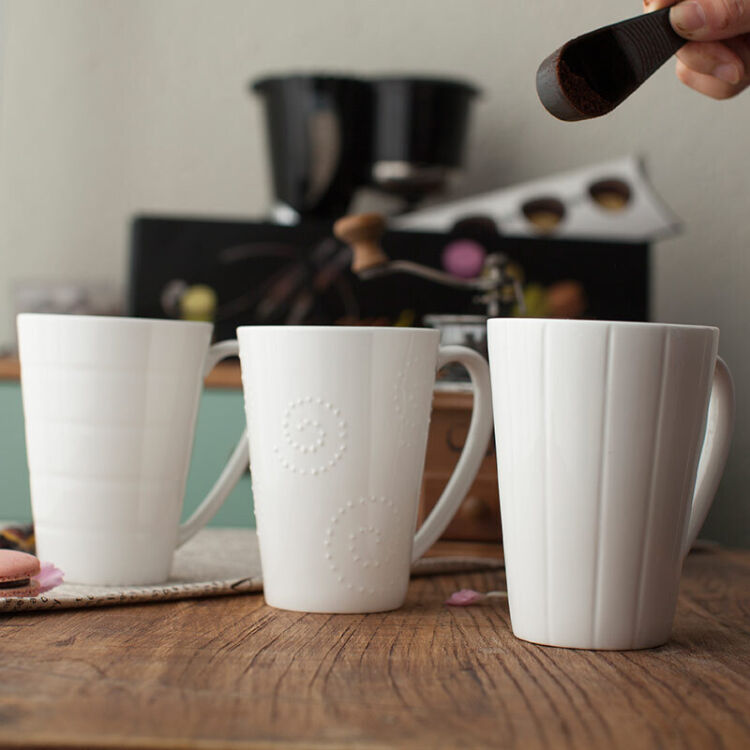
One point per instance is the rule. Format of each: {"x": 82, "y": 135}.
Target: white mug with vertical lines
{"x": 110, "y": 406}
{"x": 337, "y": 420}
{"x": 611, "y": 441}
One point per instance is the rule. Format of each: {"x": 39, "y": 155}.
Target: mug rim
{"x": 333, "y": 328}
{"x": 118, "y": 319}
{"x": 591, "y": 323}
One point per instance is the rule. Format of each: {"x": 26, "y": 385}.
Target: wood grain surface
{"x": 10, "y": 368}
{"x": 224, "y": 375}
{"x": 227, "y": 375}
{"x": 233, "y": 673}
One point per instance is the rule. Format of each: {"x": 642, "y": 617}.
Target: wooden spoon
{"x": 591, "y": 74}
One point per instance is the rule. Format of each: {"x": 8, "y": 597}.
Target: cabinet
{"x": 478, "y": 518}
{"x": 220, "y": 421}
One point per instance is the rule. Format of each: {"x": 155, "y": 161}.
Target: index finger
{"x": 705, "y": 20}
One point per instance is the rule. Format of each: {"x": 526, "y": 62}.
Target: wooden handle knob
{"x": 362, "y": 232}
{"x": 475, "y": 509}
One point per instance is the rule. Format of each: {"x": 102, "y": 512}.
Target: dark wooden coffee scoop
{"x": 591, "y": 74}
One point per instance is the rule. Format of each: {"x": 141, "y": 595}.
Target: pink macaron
{"x": 22, "y": 574}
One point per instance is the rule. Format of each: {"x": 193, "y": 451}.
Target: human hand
{"x": 716, "y": 59}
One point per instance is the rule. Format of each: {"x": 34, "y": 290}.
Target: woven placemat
{"x": 216, "y": 562}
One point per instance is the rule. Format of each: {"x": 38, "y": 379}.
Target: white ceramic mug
{"x": 337, "y": 421}
{"x": 600, "y": 437}
{"x": 110, "y": 406}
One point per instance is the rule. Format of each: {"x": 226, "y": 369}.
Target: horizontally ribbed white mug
{"x": 600, "y": 427}
{"x": 338, "y": 419}
{"x": 110, "y": 406}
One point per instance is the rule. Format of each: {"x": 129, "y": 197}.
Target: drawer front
{"x": 478, "y": 517}
{"x": 448, "y": 430}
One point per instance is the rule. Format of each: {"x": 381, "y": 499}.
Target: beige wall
{"x": 108, "y": 107}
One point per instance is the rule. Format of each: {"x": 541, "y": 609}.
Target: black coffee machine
{"x": 331, "y": 135}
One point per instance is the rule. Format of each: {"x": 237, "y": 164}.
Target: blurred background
{"x": 112, "y": 109}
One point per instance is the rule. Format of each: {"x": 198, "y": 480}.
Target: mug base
{"x": 351, "y": 608}
{"x": 88, "y": 579}
{"x": 582, "y": 645}
{"x": 91, "y": 557}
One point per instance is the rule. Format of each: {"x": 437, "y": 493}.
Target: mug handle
{"x": 719, "y": 428}
{"x": 234, "y": 469}
{"x": 473, "y": 453}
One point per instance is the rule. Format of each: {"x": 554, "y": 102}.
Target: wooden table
{"x": 233, "y": 673}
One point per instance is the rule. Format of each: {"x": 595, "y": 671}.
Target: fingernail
{"x": 688, "y": 16}
{"x": 728, "y": 73}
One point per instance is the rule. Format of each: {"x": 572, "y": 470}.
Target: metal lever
{"x": 363, "y": 233}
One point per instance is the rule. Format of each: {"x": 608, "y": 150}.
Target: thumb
{"x": 708, "y": 20}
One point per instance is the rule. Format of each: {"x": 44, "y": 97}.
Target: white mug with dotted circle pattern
{"x": 337, "y": 422}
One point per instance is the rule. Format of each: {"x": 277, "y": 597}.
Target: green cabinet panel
{"x": 14, "y": 477}
{"x": 220, "y": 422}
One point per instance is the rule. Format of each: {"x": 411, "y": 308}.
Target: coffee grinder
{"x": 330, "y": 135}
